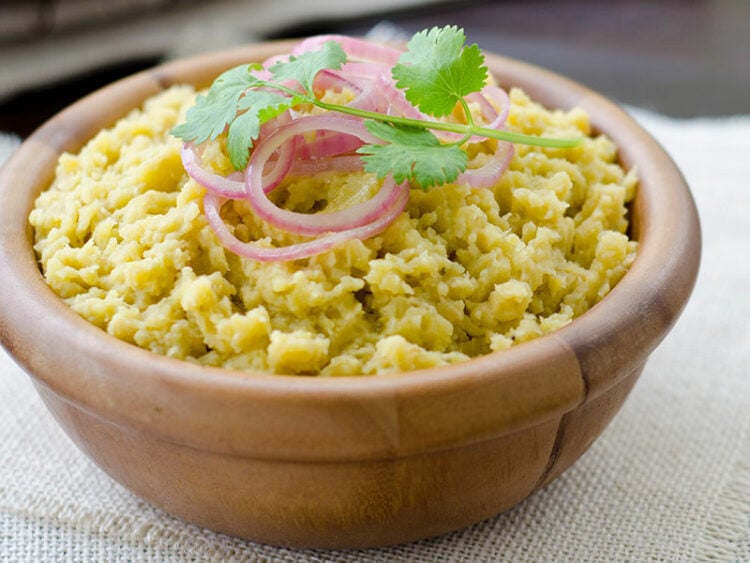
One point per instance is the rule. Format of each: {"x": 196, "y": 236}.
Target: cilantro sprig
{"x": 436, "y": 72}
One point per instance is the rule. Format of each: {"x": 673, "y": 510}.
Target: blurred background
{"x": 682, "y": 58}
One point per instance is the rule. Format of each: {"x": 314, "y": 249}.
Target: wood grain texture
{"x": 371, "y": 460}
{"x": 322, "y": 504}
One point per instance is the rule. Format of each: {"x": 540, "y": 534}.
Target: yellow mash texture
{"x": 122, "y": 238}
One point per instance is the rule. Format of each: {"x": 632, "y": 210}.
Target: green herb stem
{"x": 464, "y": 129}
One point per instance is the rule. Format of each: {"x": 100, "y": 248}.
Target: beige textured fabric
{"x": 669, "y": 480}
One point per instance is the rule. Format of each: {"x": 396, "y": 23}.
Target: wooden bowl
{"x": 342, "y": 462}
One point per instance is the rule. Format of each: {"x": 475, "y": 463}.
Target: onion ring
{"x": 312, "y": 224}
{"x": 212, "y": 204}
{"x": 358, "y": 49}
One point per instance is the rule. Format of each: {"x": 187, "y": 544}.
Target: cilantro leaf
{"x": 213, "y": 111}
{"x": 305, "y": 67}
{"x": 260, "y": 106}
{"x": 438, "y": 69}
{"x": 412, "y": 154}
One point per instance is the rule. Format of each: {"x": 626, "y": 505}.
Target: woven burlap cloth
{"x": 669, "y": 480}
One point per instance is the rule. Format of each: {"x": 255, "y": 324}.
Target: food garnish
{"x": 400, "y": 125}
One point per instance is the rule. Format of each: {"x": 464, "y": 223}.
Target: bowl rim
{"x": 134, "y": 387}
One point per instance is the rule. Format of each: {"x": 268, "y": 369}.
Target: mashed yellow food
{"x": 122, "y": 239}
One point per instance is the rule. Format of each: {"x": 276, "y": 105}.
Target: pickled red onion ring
{"x": 336, "y": 81}
{"x": 312, "y": 224}
{"x": 368, "y": 70}
{"x": 345, "y": 163}
{"x": 326, "y": 145}
{"x": 212, "y": 205}
{"x": 489, "y": 173}
{"x": 494, "y": 119}
{"x": 232, "y": 186}
{"x": 358, "y": 49}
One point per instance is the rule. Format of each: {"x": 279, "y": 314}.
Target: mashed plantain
{"x": 121, "y": 237}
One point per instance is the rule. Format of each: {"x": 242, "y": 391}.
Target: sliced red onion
{"x": 346, "y": 163}
{"x": 270, "y": 61}
{"x": 326, "y": 145}
{"x": 334, "y": 80}
{"x": 367, "y": 70}
{"x": 232, "y": 186}
{"x": 354, "y": 48}
{"x": 281, "y": 165}
{"x": 212, "y": 205}
{"x": 489, "y": 173}
{"x": 364, "y": 79}
{"x": 397, "y": 104}
{"x": 396, "y": 99}
{"x": 312, "y": 224}
{"x": 494, "y": 119}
